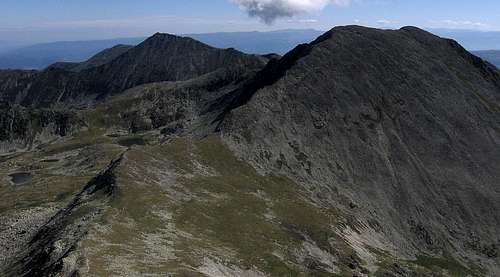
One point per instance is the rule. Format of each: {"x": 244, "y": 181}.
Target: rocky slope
{"x": 15, "y": 84}
{"x": 160, "y": 58}
{"x": 363, "y": 153}
{"x": 23, "y": 129}
{"x": 399, "y": 128}
{"x": 62, "y": 87}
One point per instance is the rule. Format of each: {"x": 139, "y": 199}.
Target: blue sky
{"x": 49, "y": 20}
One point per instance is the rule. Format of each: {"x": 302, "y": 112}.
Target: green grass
{"x": 427, "y": 265}
{"x": 79, "y": 140}
{"x": 49, "y": 184}
{"x": 448, "y": 264}
{"x": 242, "y": 218}
{"x": 233, "y": 213}
{"x": 230, "y": 213}
{"x": 131, "y": 141}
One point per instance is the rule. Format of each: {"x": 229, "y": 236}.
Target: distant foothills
{"x": 39, "y": 56}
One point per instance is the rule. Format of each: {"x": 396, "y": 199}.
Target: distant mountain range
{"x": 6, "y": 46}
{"x": 39, "y": 56}
{"x": 493, "y": 56}
{"x": 471, "y": 40}
{"x": 279, "y": 42}
{"x": 162, "y": 57}
{"x": 42, "y": 55}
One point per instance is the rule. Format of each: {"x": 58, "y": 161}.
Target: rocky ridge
{"x": 364, "y": 153}
{"x": 394, "y": 125}
{"x": 160, "y": 58}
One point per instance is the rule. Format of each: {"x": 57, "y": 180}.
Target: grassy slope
{"x": 214, "y": 206}
{"x": 188, "y": 201}
{"x": 199, "y": 202}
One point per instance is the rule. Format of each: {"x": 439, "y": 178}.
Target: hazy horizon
{"x": 31, "y": 21}
{"x": 453, "y": 33}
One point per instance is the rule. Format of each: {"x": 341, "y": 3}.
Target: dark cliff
{"x": 398, "y": 127}
{"x": 363, "y": 153}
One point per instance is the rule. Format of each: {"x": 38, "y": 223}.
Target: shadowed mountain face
{"x": 401, "y": 123}
{"x": 14, "y": 84}
{"x": 159, "y": 58}
{"x": 364, "y": 153}
{"x": 170, "y": 58}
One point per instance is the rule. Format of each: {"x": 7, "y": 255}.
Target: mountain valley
{"x": 365, "y": 152}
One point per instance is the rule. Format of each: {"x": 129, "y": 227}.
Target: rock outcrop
{"x": 23, "y": 129}
{"x": 398, "y": 128}
{"x": 160, "y": 58}
{"x": 15, "y": 84}
{"x": 363, "y": 153}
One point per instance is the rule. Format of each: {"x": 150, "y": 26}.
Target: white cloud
{"x": 460, "y": 24}
{"x": 269, "y": 10}
{"x": 384, "y": 22}
{"x": 303, "y": 21}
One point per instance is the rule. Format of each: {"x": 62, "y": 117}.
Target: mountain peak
{"x": 165, "y": 41}
{"x": 162, "y": 36}
{"x": 368, "y": 31}
{"x": 366, "y": 152}
{"x": 162, "y": 57}
{"x": 391, "y": 118}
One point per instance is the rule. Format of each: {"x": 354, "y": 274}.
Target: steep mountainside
{"x": 40, "y": 56}
{"x": 22, "y": 128}
{"x": 14, "y": 84}
{"x": 364, "y": 153}
{"x": 168, "y": 58}
{"x": 159, "y": 58}
{"x": 399, "y": 128}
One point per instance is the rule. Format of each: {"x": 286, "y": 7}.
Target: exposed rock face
{"x": 15, "y": 84}
{"x": 174, "y": 106}
{"x": 170, "y": 58}
{"x": 399, "y": 127}
{"x": 160, "y": 58}
{"x": 52, "y": 245}
{"x": 363, "y": 153}
{"x": 22, "y": 128}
